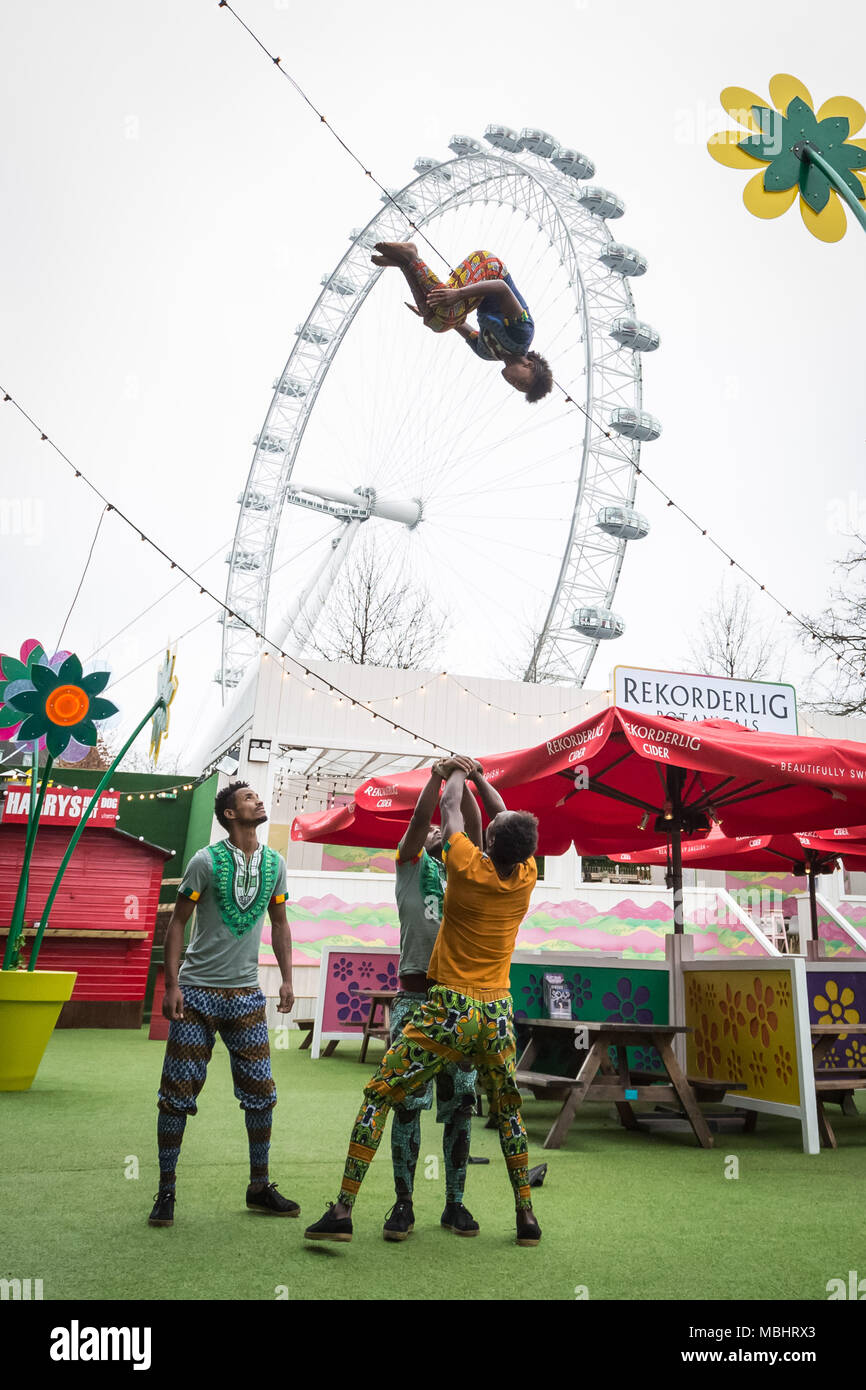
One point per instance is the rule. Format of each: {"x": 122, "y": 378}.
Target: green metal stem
{"x": 80, "y": 827}
{"x": 838, "y": 183}
{"x": 16, "y": 926}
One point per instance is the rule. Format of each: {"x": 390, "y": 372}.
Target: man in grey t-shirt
{"x": 420, "y": 885}
{"x": 231, "y": 885}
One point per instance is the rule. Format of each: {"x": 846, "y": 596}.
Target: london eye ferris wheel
{"x": 515, "y": 517}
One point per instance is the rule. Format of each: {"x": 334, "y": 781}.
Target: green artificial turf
{"x": 625, "y": 1215}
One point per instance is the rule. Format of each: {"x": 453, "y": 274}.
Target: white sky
{"x": 171, "y": 205}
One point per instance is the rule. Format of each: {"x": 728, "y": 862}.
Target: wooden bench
{"x": 838, "y": 1089}
{"x": 306, "y": 1025}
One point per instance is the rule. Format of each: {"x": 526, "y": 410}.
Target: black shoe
{"x": 268, "y": 1199}
{"x": 163, "y": 1208}
{"x": 537, "y": 1175}
{"x": 400, "y": 1221}
{"x": 528, "y": 1229}
{"x": 330, "y": 1227}
{"x": 456, "y": 1218}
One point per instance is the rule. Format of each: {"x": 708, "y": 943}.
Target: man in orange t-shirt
{"x": 468, "y": 1013}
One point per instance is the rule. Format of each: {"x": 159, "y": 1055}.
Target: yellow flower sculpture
{"x": 801, "y": 151}
{"x": 165, "y": 692}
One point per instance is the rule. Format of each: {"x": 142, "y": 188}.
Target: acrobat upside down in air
{"x": 481, "y": 283}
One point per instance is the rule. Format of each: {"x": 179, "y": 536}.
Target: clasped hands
{"x": 458, "y": 763}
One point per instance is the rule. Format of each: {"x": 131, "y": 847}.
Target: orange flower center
{"x": 67, "y": 705}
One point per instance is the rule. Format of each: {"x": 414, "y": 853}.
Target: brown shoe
{"x": 528, "y": 1229}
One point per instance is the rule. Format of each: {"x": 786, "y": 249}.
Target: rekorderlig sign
{"x": 757, "y": 705}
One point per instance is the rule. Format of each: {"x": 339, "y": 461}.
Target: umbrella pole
{"x": 676, "y": 849}
{"x": 813, "y": 905}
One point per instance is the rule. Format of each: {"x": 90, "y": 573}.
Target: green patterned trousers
{"x": 455, "y": 1105}
{"x": 448, "y": 1028}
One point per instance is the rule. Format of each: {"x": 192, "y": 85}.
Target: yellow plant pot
{"x": 30, "y": 1004}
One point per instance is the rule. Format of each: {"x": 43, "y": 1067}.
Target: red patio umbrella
{"x": 619, "y": 778}
{"x": 804, "y": 855}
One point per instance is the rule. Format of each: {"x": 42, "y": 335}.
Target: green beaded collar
{"x": 225, "y": 867}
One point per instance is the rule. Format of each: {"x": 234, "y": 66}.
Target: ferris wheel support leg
{"x": 306, "y": 611}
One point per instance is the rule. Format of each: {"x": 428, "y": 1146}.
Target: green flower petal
{"x": 85, "y": 732}
{"x": 833, "y": 131}
{"x": 95, "y": 682}
{"x": 56, "y": 739}
{"x": 43, "y": 678}
{"x": 70, "y": 672}
{"x": 14, "y": 670}
{"x": 28, "y": 702}
{"x": 33, "y": 728}
{"x": 814, "y": 187}
{"x": 802, "y": 122}
{"x": 783, "y": 173}
{"x": 101, "y": 709}
{"x": 847, "y": 157}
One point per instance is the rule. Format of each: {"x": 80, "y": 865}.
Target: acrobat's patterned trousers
{"x": 480, "y": 266}
{"x": 449, "y": 1027}
{"x": 239, "y": 1016}
{"x": 455, "y": 1105}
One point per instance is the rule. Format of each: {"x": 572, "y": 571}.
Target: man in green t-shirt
{"x": 420, "y": 889}
{"x": 231, "y": 885}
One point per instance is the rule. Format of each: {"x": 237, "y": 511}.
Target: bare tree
{"x": 731, "y": 642}
{"x": 837, "y": 638}
{"x": 371, "y": 622}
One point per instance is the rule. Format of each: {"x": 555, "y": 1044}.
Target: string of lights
{"x": 641, "y": 472}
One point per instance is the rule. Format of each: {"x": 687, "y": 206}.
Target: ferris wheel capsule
{"x": 363, "y": 237}
{"x": 630, "y": 332}
{"x": 624, "y": 522}
{"x": 314, "y": 333}
{"x": 338, "y": 284}
{"x": 502, "y": 137}
{"x": 465, "y": 144}
{"x": 635, "y": 424}
{"x": 601, "y": 201}
{"x": 572, "y": 163}
{"x": 291, "y": 386}
{"x": 601, "y": 623}
{"x": 426, "y": 164}
{"x": 538, "y": 142}
{"x": 623, "y": 259}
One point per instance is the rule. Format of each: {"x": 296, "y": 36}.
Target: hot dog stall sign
{"x": 62, "y": 806}
{"x": 760, "y": 705}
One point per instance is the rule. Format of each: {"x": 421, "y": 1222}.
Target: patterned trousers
{"x": 238, "y": 1015}
{"x": 455, "y": 1104}
{"x": 449, "y": 1027}
{"x": 477, "y": 268}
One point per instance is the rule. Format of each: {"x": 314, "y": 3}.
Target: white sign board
{"x": 677, "y": 695}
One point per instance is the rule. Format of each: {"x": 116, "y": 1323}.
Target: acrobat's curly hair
{"x": 517, "y": 839}
{"x": 542, "y": 384}
{"x": 225, "y": 801}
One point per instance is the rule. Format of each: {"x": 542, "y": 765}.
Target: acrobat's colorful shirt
{"x": 419, "y": 889}
{"x": 232, "y": 893}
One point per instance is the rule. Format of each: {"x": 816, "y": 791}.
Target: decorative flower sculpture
{"x": 802, "y": 152}
{"x": 15, "y": 669}
{"x": 56, "y": 706}
{"x": 166, "y": 689}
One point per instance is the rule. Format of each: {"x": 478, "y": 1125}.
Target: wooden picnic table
{"x": 835, "y": 1085}
{"x": 616, "y": 1083}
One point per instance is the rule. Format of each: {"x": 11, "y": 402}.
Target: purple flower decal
{"x": 365, "y": 969}
{"x": 342, "y": 969}
{"x": 388, "y": 977}
{"x": 353, "y": 1009}
{"x": 534, "y": 991}
{"x": 581, "y": 993}
{"x": 623, "y": 1007}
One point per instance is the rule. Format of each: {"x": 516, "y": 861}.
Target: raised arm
{"x": 412, "y": 842}
{"x": 490, "y": 798}
{"x": 471, "y": 817}
{"x": 450, "y": 807}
